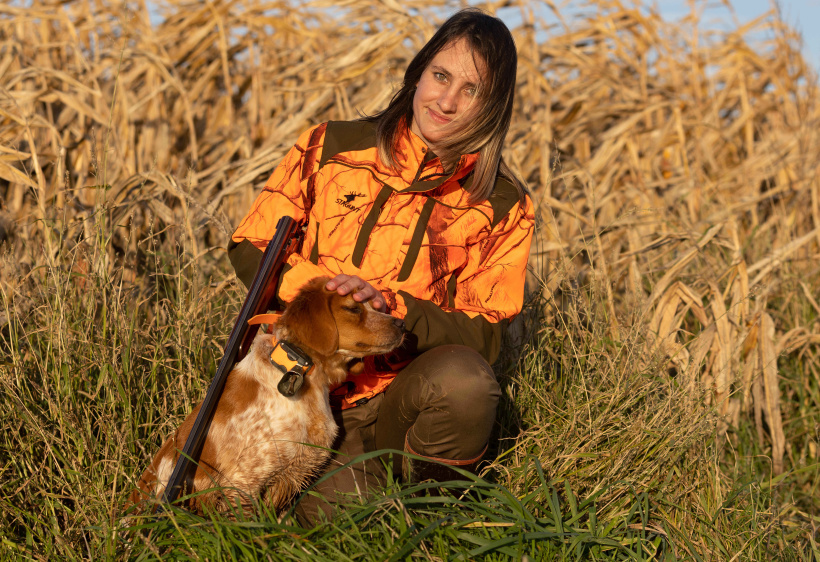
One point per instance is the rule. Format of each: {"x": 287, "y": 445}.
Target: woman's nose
{"x": 447, "y": 101}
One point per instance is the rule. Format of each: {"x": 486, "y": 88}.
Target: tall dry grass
{"x": 681, "y": 165}
{"x": 675, "y": 172}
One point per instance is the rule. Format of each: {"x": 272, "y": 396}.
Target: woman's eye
{"x": 470, "y": 92}
{"x": 441, "y": 77}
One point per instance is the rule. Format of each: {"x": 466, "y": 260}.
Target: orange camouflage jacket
{"x": 454, "y": 271}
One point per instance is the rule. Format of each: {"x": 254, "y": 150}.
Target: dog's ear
{"x": 308, "y": 319}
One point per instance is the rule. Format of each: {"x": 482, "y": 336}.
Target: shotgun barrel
{"x": 260, "y": 296}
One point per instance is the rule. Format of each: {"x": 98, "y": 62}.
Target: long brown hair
{"x": 491, "y": 41}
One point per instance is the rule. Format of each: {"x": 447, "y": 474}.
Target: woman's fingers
{"x": 343, "y": 284}
{"x": 361, "y": 289}
{"x": 334, "y": 283}
{"x": 370, "y": 293}
{"x": 377, "y": 301}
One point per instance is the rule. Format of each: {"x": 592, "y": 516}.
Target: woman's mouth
{"x": 438, "y": 117}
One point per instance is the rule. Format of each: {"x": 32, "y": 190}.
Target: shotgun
{"x": 259, "y": 299}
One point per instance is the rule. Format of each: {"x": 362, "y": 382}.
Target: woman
{"x": 414, "y": 210}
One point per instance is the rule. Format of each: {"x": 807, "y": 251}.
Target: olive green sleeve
{"x": 434, "y": 326}
{"x": 245, "y": 259}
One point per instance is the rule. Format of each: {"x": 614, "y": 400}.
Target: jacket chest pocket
{"x": 435, "y": 248}
{"x": 385, "y": 230}
{"x": 417, "y": 239}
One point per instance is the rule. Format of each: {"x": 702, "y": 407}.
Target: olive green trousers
{"x": 441, "y": 406}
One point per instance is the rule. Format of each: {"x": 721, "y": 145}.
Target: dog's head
{"x": 328, "y": 325}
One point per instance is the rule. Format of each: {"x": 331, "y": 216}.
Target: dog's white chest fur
{"x": 275, "y": 441}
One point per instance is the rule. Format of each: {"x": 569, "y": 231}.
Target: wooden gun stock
{"x": 260, "y": 297}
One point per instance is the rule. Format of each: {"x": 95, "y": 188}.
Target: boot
{"x": 437, "y": 469}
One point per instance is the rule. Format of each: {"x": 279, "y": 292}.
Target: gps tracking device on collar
{"x": 295, "y": 363}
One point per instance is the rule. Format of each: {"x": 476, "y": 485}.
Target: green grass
{"x": 599, "y": 453}
{"x": 484, "y": 521}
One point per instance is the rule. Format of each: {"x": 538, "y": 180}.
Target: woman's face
{"x": 445, "y": 98}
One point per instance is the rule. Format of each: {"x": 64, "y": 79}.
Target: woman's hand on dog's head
{"x": 361, "y": 289}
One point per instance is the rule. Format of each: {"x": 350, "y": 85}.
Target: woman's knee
{"x": 443, "y": 404}
{"x": 457, "y": 373}
{"x": 459, "y": 393}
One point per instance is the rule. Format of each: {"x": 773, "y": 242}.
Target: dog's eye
{"x": 353, "y": 309}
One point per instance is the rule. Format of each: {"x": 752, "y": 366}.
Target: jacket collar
{"x": 421, "y": 168}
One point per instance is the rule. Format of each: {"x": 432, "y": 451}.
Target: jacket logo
{"x": 347, "y": 200}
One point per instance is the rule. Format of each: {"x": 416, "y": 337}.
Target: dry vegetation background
{"x": 675, "y": 170}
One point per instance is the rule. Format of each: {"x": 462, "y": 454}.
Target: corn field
{"x": 674, "y": 168}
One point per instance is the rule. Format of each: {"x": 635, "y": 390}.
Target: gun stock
{"x": 260, "y": 296}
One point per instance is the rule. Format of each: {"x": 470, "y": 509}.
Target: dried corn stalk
{"x": 679, "y": 165}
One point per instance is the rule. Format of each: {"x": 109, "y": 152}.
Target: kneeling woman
{"x": 415, "y": 211}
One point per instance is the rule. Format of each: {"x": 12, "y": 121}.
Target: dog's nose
{"x": 399, "y": 323}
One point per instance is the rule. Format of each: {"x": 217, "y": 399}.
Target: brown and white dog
{"x": 261, "y": 443}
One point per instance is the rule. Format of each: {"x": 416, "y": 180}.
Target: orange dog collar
{"x": 296, "y": 364}
{"x": 272, "y": 318}
{"x": 287, "y": 358}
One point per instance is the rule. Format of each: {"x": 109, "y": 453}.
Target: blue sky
{"x": 803, "y": 15}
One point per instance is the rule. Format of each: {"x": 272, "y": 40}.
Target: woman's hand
{"x": 364, "y": 291}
